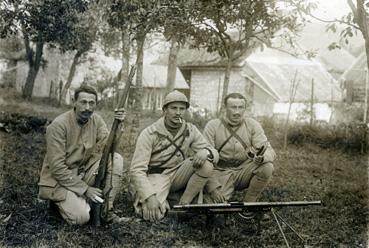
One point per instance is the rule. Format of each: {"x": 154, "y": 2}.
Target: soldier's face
{"x": 85, "y": 105}
{"x": 235, "y": 109}
{"x": 175, "y": 111}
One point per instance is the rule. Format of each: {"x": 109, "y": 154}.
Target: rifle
{"x": 109, "y": 150}
{"x": 242, "y": 208}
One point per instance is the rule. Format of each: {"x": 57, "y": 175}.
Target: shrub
{"x": 348, "y": 137}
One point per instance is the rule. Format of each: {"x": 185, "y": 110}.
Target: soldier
{"x": 74, "y": 144}
{"x": 245, "y": 156}
{"x": 161, "y": 163}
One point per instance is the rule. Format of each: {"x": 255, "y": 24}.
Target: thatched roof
{"x": 198, "y": 57}
{"x": 356, "y": 71}
{"x": 276, "y": 71}
{"x": 155, "y": 76}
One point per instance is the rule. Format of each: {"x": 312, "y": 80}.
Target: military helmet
{"x": 175, "y": 96}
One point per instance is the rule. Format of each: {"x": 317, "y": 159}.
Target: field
{"x": 303, "y": 172}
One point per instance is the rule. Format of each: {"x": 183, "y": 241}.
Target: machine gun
{"x": 242, "y": 209}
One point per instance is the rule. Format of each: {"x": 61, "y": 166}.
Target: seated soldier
{"x": 245, "y": 156}
{"x": 74, "y": 145}
{"x": 161, "y": 163}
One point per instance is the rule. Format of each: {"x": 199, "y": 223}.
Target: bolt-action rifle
{"x": 243, "y": 210}
{"x": 109, "y": 152}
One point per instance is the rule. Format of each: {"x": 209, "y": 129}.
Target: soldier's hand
{"x": 200, "y": 158}
{"x": 218, "y": 196}
{"x": 258, "y": 160}
{"x": 94, "y": 194}
{"x": 119, "y": 114}
{"x": 151, "y": 209}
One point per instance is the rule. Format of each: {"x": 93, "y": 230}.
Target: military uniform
{"x": 71, "y": 163}
{"x": 235, "y": 169}
{"x": 161, "y": 163}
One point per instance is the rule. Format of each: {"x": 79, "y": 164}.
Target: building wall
{"x": 263, "y": 104}
{"x": 207, "y": 87}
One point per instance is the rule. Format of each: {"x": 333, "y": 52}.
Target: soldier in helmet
{"x": 161, "y": 164}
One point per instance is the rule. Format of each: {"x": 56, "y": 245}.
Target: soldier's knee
{"x": 205, "y": 170}
{"x": 266, "y": 170}
{"x": 80, "y": 217}
{"x": 118, "y": 164}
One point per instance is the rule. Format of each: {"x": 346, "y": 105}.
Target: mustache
{"x": 86, "y": 112}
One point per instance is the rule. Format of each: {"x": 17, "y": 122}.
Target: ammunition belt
{"x": 229, "y": 163}
{"x": 155, "y": 170}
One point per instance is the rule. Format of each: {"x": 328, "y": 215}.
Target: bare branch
{"x": 334, "y": 21}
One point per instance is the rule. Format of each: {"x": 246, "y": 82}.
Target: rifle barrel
{"x": 245, "y": 205}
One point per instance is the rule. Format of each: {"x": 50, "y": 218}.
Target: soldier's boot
{"x": 196, "y": 183}
{"x": 258, "y": 182}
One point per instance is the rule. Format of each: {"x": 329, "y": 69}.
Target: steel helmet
{"x": 175, "y": 96}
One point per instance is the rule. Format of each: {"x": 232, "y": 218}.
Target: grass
{"x": 303, "y": 172}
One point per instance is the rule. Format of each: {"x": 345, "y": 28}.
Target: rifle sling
{"x": 233, "y": 134}
{"x": 171, "y": 142}
{"x": 177, "y": 147}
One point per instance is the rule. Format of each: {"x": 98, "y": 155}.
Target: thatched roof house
{"x": 264, "y": 77}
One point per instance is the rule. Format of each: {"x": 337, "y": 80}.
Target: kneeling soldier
{"x": 74, "y": 144}
{"x": 161, "y": 163}
{"x": 245, "y": 156}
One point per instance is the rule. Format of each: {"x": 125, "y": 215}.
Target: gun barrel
{"x": 245, "y": 205}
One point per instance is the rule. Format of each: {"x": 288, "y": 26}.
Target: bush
{"x": 348, "y": 137}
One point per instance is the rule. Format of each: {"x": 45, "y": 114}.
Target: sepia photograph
{"x": 184, "y": 123}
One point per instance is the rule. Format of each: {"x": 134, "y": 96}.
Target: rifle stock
{"x": 109, "y": 149}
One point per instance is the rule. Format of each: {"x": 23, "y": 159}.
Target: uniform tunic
{"x": 250, "y": 132}
{"x": 71, "y": 149}
{"x": 145, "y": 158}
{"x": 238, "y": 171}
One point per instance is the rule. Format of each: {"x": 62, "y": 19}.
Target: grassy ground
{"x": 302, "y": 173}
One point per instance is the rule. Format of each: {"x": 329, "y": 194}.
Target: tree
{"x": 137, "y": 18}
{"x": 354, "y": 22}
{"x": 175, "y": 25}
{"x": 80, "y": 39}
{"x": 40, "y": 22}
{"x": 232, "y": 28}
{"x": 12, "y": 51}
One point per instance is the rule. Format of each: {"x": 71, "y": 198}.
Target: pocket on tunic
{"x": 56, "y": 193}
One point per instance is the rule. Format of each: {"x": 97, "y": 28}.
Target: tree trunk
{"x": 227, "y": 76}
{"x": 139, "y": 91}
{"x": 126, "y": 45}
{"x": 125, "y": 55}
{"x": 71, "y": 74}
{"x": 172, "y": 65}
{"x": 34, "y": 66}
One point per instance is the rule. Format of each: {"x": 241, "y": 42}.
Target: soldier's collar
{"x": 159, "y": 127}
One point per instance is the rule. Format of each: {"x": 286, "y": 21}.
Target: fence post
{"x": 312, "y": 102}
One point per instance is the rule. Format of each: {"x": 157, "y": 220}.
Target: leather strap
{"x": 233, "y": 134}
{"x": 177, "y": 147}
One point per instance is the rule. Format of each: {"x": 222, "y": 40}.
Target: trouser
{"x": 248, "y": 176}
{"x": 75, "y": 209}
{"x": 175, "y": 179}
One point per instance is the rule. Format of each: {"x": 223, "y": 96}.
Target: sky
{"x": 331, "y": 9}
